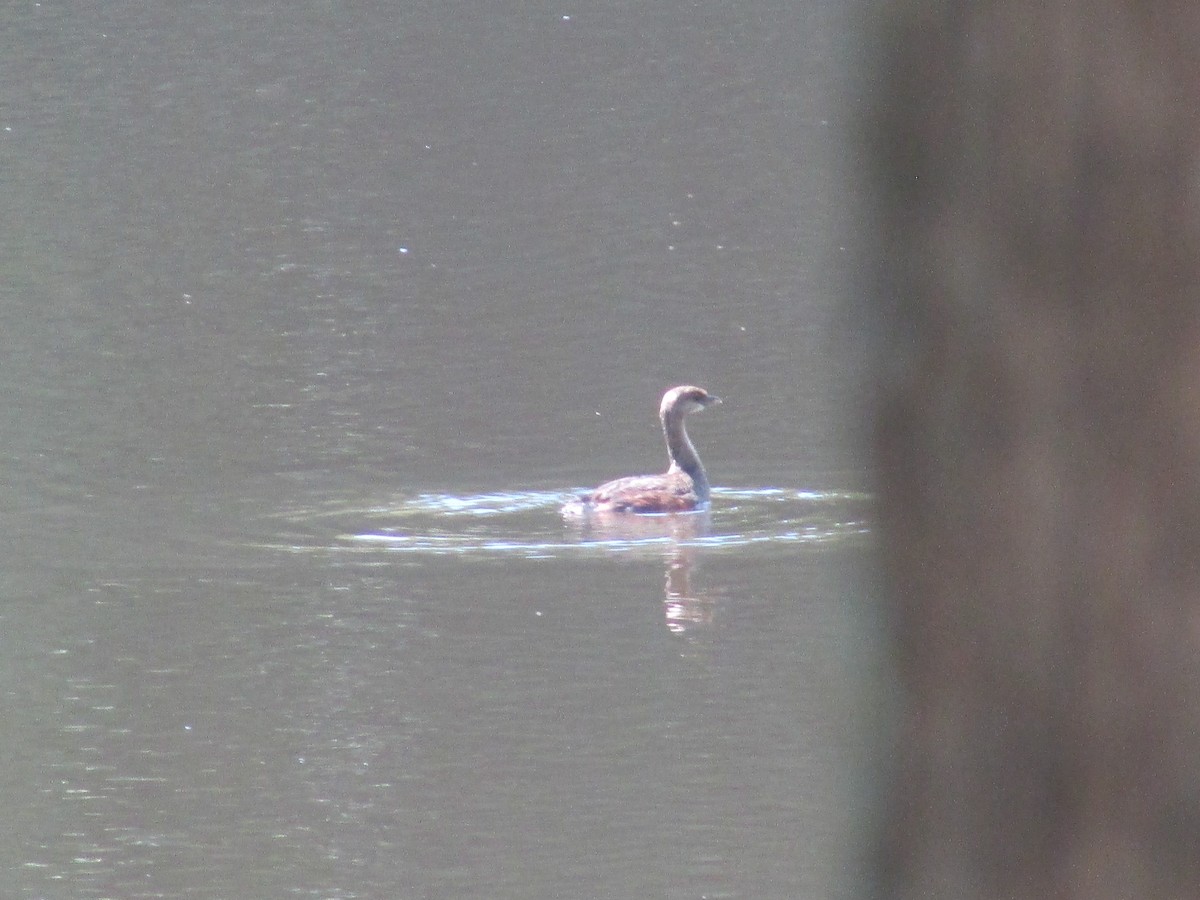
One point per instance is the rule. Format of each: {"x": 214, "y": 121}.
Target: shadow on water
{"x": 528, "y": 524}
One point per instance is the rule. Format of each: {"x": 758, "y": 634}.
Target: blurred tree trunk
{"x": 1039, "y": 446}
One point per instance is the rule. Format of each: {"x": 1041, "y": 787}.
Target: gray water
{"x": 313, "y": 315}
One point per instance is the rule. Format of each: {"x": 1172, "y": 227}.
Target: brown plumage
{"x": 683, "y": 487}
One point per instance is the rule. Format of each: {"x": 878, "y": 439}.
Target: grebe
{"x": 684, "y": 486}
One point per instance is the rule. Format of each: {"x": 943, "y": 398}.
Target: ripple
{"x": 483, "y": 504}
{"x": 528, "y": 524}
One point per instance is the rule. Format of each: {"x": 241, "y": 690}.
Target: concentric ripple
{"x": 528, "y": 524}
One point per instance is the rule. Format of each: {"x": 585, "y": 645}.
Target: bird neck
{"x": 682, "y": 453}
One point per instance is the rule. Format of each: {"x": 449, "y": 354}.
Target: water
{"x": 313, "y": 318}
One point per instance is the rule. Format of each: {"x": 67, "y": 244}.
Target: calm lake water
{"x": 314, "y": 315}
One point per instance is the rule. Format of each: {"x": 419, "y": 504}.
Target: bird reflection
{"x": 685, "y": 609}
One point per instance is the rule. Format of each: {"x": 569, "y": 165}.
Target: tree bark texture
{"x": 1039, "y": 446}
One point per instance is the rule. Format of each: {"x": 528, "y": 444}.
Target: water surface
{"x": 313, "y": 318}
